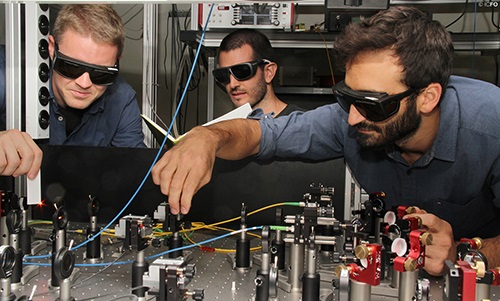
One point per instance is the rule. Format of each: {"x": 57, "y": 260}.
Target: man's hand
{"x": 443, "y": 246}
{"x": 185, "y": 168}
{"x": 19, "y": 154}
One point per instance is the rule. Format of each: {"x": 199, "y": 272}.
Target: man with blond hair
{"x": 90, "y": 105}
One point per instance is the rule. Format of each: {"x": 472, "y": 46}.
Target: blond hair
{"x": 99, "y": 21}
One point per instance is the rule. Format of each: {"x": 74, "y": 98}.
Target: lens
{"x": 343, "y": 102}
{"x": 101, "y": 77}
{"x": 68, "y": 69}
{"x": 242, "y": 71}
{"x": 73, "y": 70}
{"x": 374, "y": 106}
{"x": 221, "y": 75}
{"x": 371, "y": 111}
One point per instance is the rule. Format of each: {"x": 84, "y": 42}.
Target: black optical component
{"x": 374, "y": 106}
{"x": 72, "y": 68}
{"x": 240, "y": 71}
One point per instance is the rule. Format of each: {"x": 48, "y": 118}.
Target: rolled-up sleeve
{"x": 317, "y": 134}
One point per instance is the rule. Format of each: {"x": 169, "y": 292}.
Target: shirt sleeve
{"x": 317, "y": 134}
{"x": 129, "y": 132}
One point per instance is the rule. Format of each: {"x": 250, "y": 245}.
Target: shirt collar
{"x": 445, "y": 145}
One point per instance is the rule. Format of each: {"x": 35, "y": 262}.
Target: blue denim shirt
{"x": 457, "y": 179}
{"x": 112, "y": 120}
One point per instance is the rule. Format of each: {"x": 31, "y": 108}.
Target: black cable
{"x": 493, "y": 17}
{"x": 98, "y": 272}
{"x": 195, "y": 81}
{"x": 130, "y": 9}
{"x": 130, "y": 19}
{"x": 187, "y": 20}
{"x": 459, "y": 17}
{"x": 495, "y": 57}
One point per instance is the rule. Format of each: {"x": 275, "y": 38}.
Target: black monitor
{"x": 112, "y": 175}
{"x": 339, "y": 13}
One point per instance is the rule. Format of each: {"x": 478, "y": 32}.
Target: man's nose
{"x": 354, "y": 116}
{"x": 84, "y": 80}
{"x": 233, "y": 82}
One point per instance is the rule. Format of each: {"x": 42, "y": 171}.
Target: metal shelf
{"x": 303, "y": 90}
{"x": 309, "y": 40}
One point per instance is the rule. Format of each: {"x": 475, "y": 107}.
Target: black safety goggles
{"x": 240, "y": 72}
{"x": 72, "y": 68}
{"x": 374, "y": 106}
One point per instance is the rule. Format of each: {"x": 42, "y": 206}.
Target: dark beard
{"x": 401, "y": 128}
{"x": 260, "y": 91}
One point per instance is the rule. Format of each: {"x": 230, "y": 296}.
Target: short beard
{"x": 260, "y": 91}
{"x": 401, "y": 128}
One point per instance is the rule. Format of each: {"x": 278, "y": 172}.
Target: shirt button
{"x": 409, "y": 172}
{"x": 60, "y": 118}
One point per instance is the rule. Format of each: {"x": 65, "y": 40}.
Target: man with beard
{"x": 247, "y": 69}
{"x": 403, "y": 124}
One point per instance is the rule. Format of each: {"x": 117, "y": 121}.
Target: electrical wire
{"x": 493, "y": 18}
{"x": 105, "y": 264}
{"x": 318, "y": 30}
{"x": 133, "y": 16}
{"x": 495, "y": 57}
{"x": 215, "y": 226}
{"x": 220, "y": 250}
{"x": 205, "y": 241}
{"x": 197, "y": 226}
{"x": 461, "y": 15}
{"x": 99, "y": 272}
{"x": 474, "y": 40}
{"x": 251, "y": 213}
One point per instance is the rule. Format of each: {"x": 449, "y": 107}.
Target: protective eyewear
{"x": 240, "y": 72}
{"x": 72, "y": 68}
{"x": 374, "y": 106}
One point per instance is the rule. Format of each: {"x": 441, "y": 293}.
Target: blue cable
{"x": 159, "y": 150}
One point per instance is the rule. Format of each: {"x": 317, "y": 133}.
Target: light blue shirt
{"x": 457, "y": 179}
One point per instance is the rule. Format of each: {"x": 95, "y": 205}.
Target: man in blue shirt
{"x": 402, "y": 123}
{"x": 91, "y": 104}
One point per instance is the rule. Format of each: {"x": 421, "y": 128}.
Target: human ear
{"x": 429, "y": 97}
{"x": 270, "y": 70}
{"x": 51, "y": 46}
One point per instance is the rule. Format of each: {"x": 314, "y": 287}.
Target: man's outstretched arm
{"x": 187, "y": 167}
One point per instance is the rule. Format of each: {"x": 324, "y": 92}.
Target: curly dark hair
{"x": 260, "y": 44}
{"x": 423, "y": 46}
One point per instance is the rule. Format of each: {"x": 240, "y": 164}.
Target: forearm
{"x": 236, "y": 139}
{"x": 491, "y": 249}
